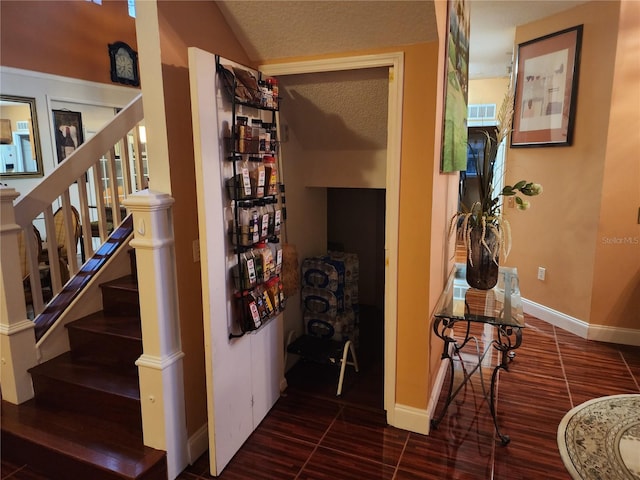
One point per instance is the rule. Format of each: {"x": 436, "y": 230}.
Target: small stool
{"x": 324, "y": 350}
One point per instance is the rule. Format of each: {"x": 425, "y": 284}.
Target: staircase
{"x": 85, "y": 419}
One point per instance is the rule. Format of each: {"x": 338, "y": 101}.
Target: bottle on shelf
{"x": 271, "y": 175}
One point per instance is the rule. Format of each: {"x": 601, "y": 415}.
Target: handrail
{"x": 61, "y": 258}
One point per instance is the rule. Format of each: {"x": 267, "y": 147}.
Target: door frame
{"x": 395, "y": 62}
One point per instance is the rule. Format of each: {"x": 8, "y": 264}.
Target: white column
{"x": 17, "y": 336}
{"x": 160, "y": 367}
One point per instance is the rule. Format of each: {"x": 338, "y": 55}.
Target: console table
{"x": 500, "y": 307}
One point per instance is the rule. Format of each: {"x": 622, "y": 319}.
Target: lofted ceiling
{"x": 343, "y": 102}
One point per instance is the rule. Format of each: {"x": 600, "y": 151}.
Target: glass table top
{"x": 502, "y": 305}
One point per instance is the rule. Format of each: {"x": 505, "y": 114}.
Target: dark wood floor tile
{"x": 24, "y": 473}
{"x": 300, "y": 417}
{"x": 582, "y": 393}
{"x": 267, "y": 457}
{"x": 353, "y": 434}
{"x": 451, "y": 458}
{"x": 528, "y": 462}
{"x": 302, "y": 406}
{"x": 327, "y": 464}
{"x": 631, "y": 356}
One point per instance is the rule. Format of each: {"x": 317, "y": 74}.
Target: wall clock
{"x": 124, "y": 64}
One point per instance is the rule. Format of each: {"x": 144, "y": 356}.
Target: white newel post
{"x": 160, "y": 367}
{"x": 17, "y": 336}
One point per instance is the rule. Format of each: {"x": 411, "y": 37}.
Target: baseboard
{"x": 623, "y": 336}
{"x": 198, "y": 443}
{"x": 437, "y": 388}
{"x": 556, "y": 318}
{"x": 599, "y": 333}
{"x": 412, "y": 419}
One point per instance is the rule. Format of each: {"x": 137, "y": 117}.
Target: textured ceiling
{"x": 278, "y": 29}
{"x": 344, "y": 110}
{"x": 339, "y": 103}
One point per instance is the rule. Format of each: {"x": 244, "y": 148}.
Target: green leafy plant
{"x": 486, "y": 214}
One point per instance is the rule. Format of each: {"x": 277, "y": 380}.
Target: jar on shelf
{"x": 276, "y": 253}
{"x": 243, "y": 134}
{"x": 274, "y": 294}
{"x": 257, "y": 175}
{"x": 272, "y": 83}
{"x": 267, "y": 138}
{"x": 271, "y": 175}
{"x": 248, "y": 315}
{"x": 264, "y": 217}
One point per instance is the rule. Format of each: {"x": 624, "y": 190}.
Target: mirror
{"x": 19, "y": 137}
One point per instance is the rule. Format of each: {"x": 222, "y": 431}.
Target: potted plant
{"x": 482, "y": 229}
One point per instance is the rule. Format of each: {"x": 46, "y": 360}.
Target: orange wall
{"x": 414, "y": 243}
{"x": 188, "y": 24}
{"x": 46, "y": 36}
{"x": 560, "y": 231}
{"x": 616, "y": 279}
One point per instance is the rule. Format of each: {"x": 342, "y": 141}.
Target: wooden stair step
{"x": 120, "y": 296}
{"x": 62, "y": 444}
{"x": 86, "y": 387}
{"x": 105, "y": 339}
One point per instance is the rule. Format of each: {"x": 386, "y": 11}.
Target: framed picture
{"x": 67, "y": 126}
{"x": 546, "y": 89}
{"x": 456, "y": 87}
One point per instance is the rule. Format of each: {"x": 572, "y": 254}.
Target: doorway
{"x": 394, "y": 62}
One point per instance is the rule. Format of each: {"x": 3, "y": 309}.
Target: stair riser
{"x": 64, "y": 395}
{"x": 109, "y": 350}
{"x": 58, "y": 466}
{"x": 117, "y": 301}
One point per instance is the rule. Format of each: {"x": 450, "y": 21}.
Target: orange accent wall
{"x": 616, "y": 278}
{"x": 188, "y": 24}
{"x": 67, "y": 38}
{"x": 561, "y": 230}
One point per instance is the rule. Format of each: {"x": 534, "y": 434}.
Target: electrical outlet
{"x": 196, "y": 251}
{"x": 541, "y": 273}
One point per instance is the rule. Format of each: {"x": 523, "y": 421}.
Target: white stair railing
{"x": 90, "y": 172}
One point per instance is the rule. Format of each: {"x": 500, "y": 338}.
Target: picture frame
{"x": 67, "y": 126}
{"x": 546, "y": 89}
{"x": 456, "y": 88}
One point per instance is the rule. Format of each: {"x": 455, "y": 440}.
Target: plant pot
{"x": 482, "y": 266}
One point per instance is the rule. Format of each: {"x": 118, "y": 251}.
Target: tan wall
{"x": 560, "y": 231}
{"x": 51, "y": 37}
{"x": 488, "y": 90}
{"x": 180, "y": 25}
{"x": 616, "y": 277}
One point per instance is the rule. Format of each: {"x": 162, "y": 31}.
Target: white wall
{"x": 53, "y": 92}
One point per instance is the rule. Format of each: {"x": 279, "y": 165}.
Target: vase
{"x": 482, "y": 267}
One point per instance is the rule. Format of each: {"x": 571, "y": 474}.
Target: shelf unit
{"x": 258, "y": 212}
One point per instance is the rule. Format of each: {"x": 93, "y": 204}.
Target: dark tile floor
{"x": 312, "y": 436}
{"x": 309, "y": 435}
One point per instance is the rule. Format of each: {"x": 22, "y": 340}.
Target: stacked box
{"x": 330, "y": 295}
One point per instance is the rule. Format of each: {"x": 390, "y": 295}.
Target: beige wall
{"x": 179, "y": 25}
{"x": 488, "y": 90}
{"x": 560, "y": 231}
{"x": 616, "y": 279}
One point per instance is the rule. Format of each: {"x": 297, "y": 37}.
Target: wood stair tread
{"x": 128, "y": 282}
{"x": 118, "y": 381}
{"x": 85, "y": 438}
{"x": 126, "y": 326}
